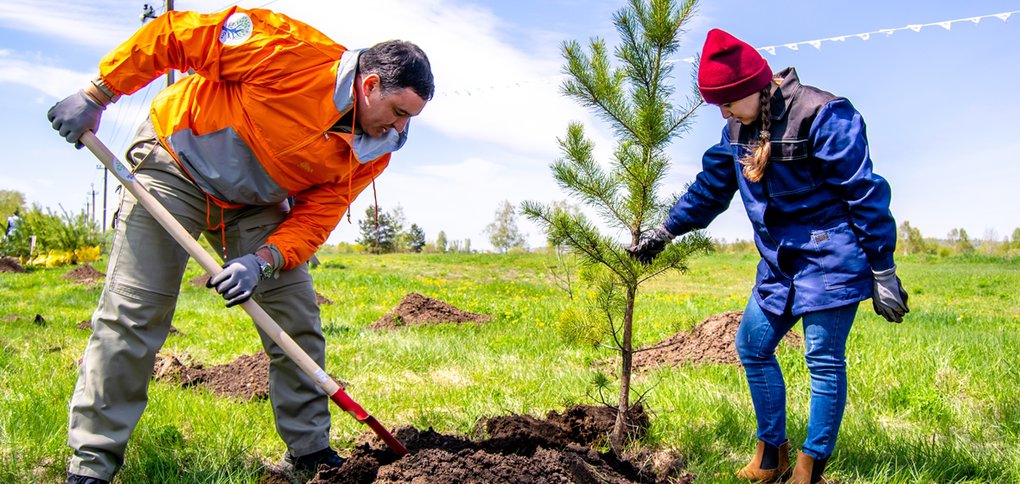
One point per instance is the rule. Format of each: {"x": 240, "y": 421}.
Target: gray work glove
{"x": 74, "y": 115}
{"x": 650, "y": 244}
{"x": 889, "y": 298}
{"x": 238, "y": 279}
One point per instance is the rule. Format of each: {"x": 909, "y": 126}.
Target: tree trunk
{"x": 627, "y": 356}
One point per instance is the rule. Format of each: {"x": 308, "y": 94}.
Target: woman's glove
{"x": 650, "y": 245}
{"x": 889, "y": 298}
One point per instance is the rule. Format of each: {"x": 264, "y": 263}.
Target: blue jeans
{"x": 825, "y": 334}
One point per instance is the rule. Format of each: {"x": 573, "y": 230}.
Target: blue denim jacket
{"x": 820, "y": 215}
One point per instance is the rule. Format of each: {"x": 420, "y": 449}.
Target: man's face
{"x": 379, "y": 112}
{"x": 745, "y": 110}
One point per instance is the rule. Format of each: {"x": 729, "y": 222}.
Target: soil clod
{"x": 417, "y": 310}
{"x": 322, "y": 300}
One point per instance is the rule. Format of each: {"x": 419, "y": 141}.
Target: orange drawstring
{"x": 350, "y": 156}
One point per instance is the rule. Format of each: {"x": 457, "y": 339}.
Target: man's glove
{"x": 650, "y": 244}
{"x": 75, "y": 115}
{"x": 889, "y": 298}
{"x": 238, "y": 279}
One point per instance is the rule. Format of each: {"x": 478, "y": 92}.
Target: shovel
{"x": 259, "y": 315}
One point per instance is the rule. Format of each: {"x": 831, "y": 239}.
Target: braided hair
{"x": 755, "y": 161}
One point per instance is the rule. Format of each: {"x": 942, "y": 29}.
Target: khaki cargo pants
{"x": 136, "y": 308}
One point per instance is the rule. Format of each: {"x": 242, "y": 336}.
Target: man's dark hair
{"x": 399, "y": 64}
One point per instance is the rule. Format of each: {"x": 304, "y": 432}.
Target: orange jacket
{"x": 252, "y": 127}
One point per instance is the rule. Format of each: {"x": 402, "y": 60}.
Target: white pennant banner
{"x": 945, "y": 24}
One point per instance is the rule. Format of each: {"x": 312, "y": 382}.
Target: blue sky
{"x": 938, "y": 102}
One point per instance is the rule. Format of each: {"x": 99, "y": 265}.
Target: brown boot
{"x": 809, "y": 470}
{"x": 769, "y": 464}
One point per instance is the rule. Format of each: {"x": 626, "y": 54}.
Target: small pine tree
{"x": 635, "y": 100}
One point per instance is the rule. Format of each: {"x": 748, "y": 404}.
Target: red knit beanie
{"x": 730, "y": 69}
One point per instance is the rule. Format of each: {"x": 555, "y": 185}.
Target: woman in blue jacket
{"x": 799, "y": 158}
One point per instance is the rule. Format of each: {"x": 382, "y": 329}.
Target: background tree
{"x": 378, "y": 237}
{"x": 635, "y": 100}
{"x": 503, "y": 232}
{"x": 911, "y": 241}
{"x": 10, "y": 201}
{"x": 960, "y": 242}
{"x": 416, "y": 238}
{"x": 441, "y": 242}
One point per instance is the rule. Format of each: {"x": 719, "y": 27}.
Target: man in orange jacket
{"x": 262, "y": 150}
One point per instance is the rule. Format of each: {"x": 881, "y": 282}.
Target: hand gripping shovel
{"x": 259, "y": 315}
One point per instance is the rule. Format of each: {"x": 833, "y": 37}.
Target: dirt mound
{"x": 200, "y": 280}
{"x": 710, "y": 341}
{"x": 518, "y": 449}
{"x": 322, "y": 300}
{"x": 84, "y": 274}
{"x": 246, "y": 378}
{"x": 10, "y": 264}
{"x": 417, "y": 310}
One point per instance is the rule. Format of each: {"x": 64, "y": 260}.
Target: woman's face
{"x": 744, "y": 110}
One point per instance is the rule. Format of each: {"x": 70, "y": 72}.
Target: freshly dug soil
{"x": 246, "y": 378}
{"x": 84, "y": 274}
{"x": 417, "y": 310}
{"x": 517, "y": 449}
{"x": 710, "y": 341}
{"x": 10, "y": 264}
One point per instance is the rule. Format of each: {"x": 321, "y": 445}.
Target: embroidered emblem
{"x": 236, "y": 29}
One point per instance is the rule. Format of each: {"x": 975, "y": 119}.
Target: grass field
{"x": 934, "y": 399}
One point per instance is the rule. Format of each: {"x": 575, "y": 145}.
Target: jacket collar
{"x": 784, "y": 95}
{"x": 366, "y": 148}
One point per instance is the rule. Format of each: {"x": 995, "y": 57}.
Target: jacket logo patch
{"x": 236, "y": 29}
{"x": 820, "y": 237}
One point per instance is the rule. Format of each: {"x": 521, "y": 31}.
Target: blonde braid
{"x": 755, "y": 161}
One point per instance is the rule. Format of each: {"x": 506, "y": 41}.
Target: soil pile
{"x": 84, "y": 274}
{"x": 710, "y": 341}
{"x": 246, "y": 378}
{"x": 518, "y": 449}
{"x": 10, "y": 264}
{"x": 416, "y": 310}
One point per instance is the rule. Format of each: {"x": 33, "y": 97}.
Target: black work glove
{"x": 650, "y": 244}
{"x": 889, "y": 298}
{"x": 239, "y": 278}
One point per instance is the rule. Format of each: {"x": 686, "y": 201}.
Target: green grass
{"x": 932, "y": 400}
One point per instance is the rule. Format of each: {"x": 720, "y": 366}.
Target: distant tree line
{"x": 911, "y": 241}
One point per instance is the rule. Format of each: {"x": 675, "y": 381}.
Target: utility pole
{"x": 147, "y": 13}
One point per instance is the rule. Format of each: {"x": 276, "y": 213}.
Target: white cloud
{"x": 83, "y": 23}
{"x": 32, "y": 71}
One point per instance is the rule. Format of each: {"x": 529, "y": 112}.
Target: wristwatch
{"x": 265, "y": 268}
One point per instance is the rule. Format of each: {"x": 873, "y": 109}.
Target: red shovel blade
{"x": 350, "y": 406}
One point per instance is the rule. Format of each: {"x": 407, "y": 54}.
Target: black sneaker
{"x": 310, "y": 463}
{"x": 78, "y": 479}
